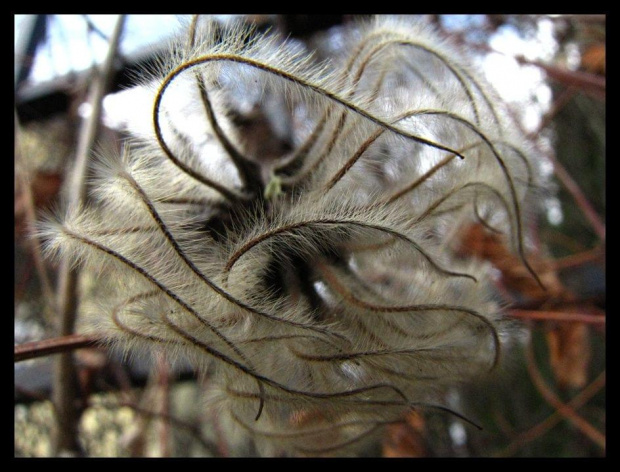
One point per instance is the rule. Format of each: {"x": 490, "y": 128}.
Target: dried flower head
{"x": 318, "y": 284}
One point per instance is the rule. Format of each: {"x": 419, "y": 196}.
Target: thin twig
{"x": 562, "y": 174}
{"x": 21, "y": 284}
{"x": 579, "y": 17}
{"x": 584, "y": 257}
{"x": 64, "y": 385}
{"x": 557, "y": 316}
{"x": 46, "y": 347}
{"x": 582, "y": 201}
{"x": 593, "y": 84}
{"x": 541, "y": 428}
{"x": 92, "y": 27}
{"x": 586, "y": 82}
{"x": 562, "y": 408}
{"x": 558, "y": 104}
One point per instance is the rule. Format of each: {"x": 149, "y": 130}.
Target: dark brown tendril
{"x": 222, "y": 57}
{"x": 249, "y": 172}
{"x": 343, "y": 291}
{"x": 277, "y": 385}
{"x": 293, "y": 227}
{"x": 508, "y": 177}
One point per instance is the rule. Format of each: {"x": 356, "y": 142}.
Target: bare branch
{"x": 47, "y": 347}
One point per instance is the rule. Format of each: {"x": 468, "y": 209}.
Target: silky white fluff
{"x": 337, "y": 304}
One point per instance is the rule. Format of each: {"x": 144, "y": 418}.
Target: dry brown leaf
{"x": 593, "y": 59}
{"x": 569, "y": 354}
{"x": 569, "y": 348}
{"x": 405, "y": 439}
{"x": 480, "y": 243}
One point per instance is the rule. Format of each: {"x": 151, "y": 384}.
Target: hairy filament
{"x": 225, "y": 192}
{"x": 292, "y": 78}
{"x": 345, "y": 293}
{"x": 248, "y": 171}
{"x": 186, "y": 201}
{"x": 399, "y": 41}
{"x": 343, "y": 116}
{"x": 326, "y": 151}
{"x": 332, "y": 222}
{"x": 228, "y": 194}
{"x": 277, "y": 385}
{"x": 509, "y": 181}
{"x": 117, "y": 231}
{"x": 289, "y": 336}
{"x": 342, "y": 444}
{"x": 457, "y": 75}
{"x": 375, "y": 402}
{"x": 134, "y": 332}
{"x": 428, "y": 174}
{"x": 344, "y": 72}
{"x": 173, "y": 296}
{"x": 352, "y": 247}
{"x": 366, "y": 144}
{"x": 453, "y": 192}
{"x": 296, "y": 160}
{"x": 482, "y": 220}
{"x": 311, "y": 432}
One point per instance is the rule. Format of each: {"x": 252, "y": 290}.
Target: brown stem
{"x": 560, "y": 102}
{"x": 46, "y": 347}
{"x": 592, "y": 255}
{"x": 563, "y": 176}
{"x": 590, "y": 83}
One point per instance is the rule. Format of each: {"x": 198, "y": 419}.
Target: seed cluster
{"x": 319, "y": 287}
